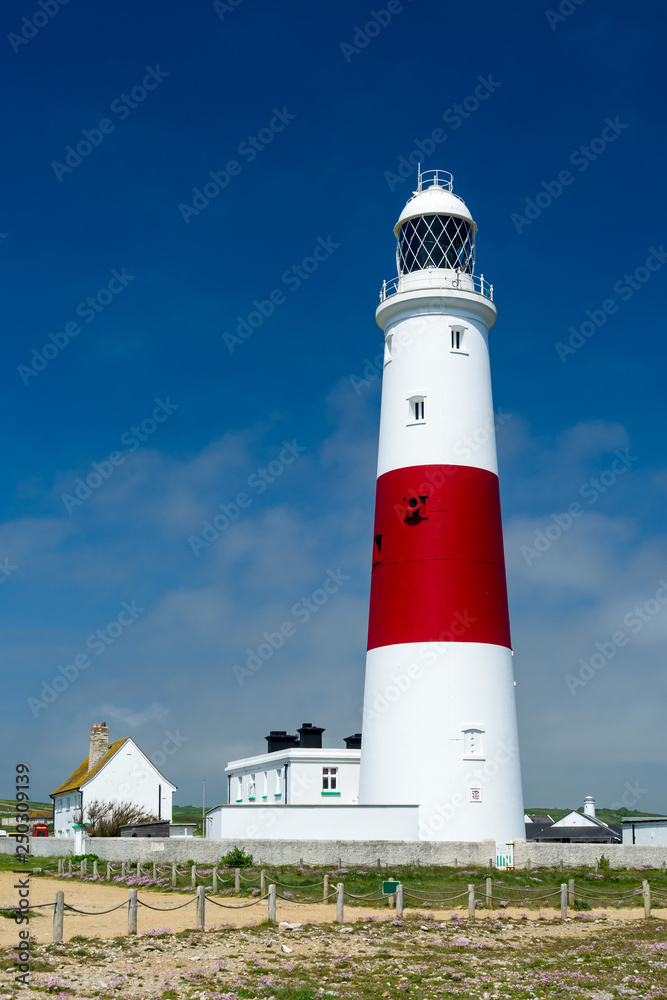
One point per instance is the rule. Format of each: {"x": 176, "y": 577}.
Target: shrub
{"x": 236, "y": 859}
{"x": 104, "y": 819}
{"x": 603, "y": 862}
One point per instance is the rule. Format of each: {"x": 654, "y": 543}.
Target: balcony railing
{"x": 432, "y": 279}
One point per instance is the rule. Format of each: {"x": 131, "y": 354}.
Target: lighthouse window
{"x": 387, "y": 348}
{"x": 457, "y": 338}
{"x": 436, "y": 241}
{"x": 416, "y": 412}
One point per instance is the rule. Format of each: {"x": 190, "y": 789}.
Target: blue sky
{"x": 305, "y": 117}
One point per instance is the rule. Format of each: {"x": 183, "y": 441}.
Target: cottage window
{"x": 329, "y": 779}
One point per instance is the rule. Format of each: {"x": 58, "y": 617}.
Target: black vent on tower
{"x": 311, "y": 736}
{"x": 353, "y": 742}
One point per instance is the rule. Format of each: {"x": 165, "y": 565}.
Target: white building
{"x": 112, "y": 772}
{"x": 645, "y": 830}
{"x": 295, "y": 770}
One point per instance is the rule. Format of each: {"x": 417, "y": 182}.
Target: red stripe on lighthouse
{"x": 438, "y": 562}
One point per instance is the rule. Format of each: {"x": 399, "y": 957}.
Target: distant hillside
{"x": 606, "y": 815}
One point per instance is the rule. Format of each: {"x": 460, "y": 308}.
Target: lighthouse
{"x": 439, "y": 703}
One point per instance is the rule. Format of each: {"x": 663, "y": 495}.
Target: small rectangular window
{"x": 457, "y": 338}
{"x": 416, "y": 409}
{"x": 475, "y": 794}
{"x": 329, "y": 779}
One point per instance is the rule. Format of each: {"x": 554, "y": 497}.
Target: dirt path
{"x": 94, "y": 897}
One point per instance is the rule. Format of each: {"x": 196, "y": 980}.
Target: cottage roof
{"x": 82, "y": 775}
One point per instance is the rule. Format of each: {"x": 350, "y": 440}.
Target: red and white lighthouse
{"x": 439, "y": 706}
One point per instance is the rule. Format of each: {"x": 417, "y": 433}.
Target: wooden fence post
{"x": 489, "y": 894}
{"x": 561, "y": 864}
{"x": 570, "y": 892}
{"x": 563, "y": 900}
{"x": 529, "y": 864}
{"x": 340, "y": 902}
{"x": 215, "y": 879}
{"x": 201, "y": 906}
{"x": 108, "y": 874}
{"x": 272, "y": 904}
{"x": 471, "y": 901}
{"x": 83, "y": 867}
{"x": 123, "y": 869}
{"x": 399, "y": 901}
{"x": 325, "y": 890}
{"x": 490, "y": 864}
{"x": 262, "y": 883}
{"x": 69, "y": 867}
{"x": 193, "y": 876}
{"x": 646, "y": 892}
{"x": 139, "y": 871}
{"x": 173, "y": 875}
{"x": 237, "y": 880}
{"x": 58, "y": 914}
{"x": 95, "y": 870}
{"x": 154, "y": 870}
{"x": 132, "y": 911}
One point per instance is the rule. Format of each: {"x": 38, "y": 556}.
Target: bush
{"x": 104, "y": 819}
{"x": 603, "y": 862}
{"x": 76, "y": 859}
{"x": 236, "y": 859}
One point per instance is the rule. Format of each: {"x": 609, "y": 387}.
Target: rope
{"x": 238, "y": 906}
{"x": 165, "y": 909}
{"x": 302, "y": 885}
{"x": 585, "y": 895}
{"x": 365, "y": 896}
{"x": 96, "y": 913}
{"x": 409, "y": 895}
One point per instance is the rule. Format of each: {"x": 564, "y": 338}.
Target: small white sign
{"x": 475, "y": 794}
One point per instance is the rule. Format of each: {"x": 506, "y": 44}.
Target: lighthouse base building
{"x": 439, "y": 759}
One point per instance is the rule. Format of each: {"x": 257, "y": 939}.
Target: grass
{"x": 607, "y": 888}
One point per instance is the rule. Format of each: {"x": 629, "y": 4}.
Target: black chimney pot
{"x": 353, "y": 742}
{"x": 311, "y": 736}
{"x": 279, "y": 739}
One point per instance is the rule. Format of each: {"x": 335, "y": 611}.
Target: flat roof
{"x": 644, "y": 819}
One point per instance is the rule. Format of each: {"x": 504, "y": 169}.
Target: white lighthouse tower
{"x": 439, "y": 707}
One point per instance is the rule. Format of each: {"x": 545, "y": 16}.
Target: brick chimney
{"x": 99, "y": 744}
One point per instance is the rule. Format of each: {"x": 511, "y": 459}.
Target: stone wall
{"x": 330, "y": 852}
{"x": 620, "y": 855}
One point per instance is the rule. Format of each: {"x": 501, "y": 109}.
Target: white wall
{"x": 304, "y": 822}
{"x": 414, "y": 740}
{"x": 66, "y": 806}
{"x": 646, "y": 833}
{"x": 456, "y": 384}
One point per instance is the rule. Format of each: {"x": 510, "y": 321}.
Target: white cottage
{"x": 295, "y": 770}
{"x": 112, "y": 772}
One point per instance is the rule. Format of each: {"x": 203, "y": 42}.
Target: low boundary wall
{"x": 347, "y": 852}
